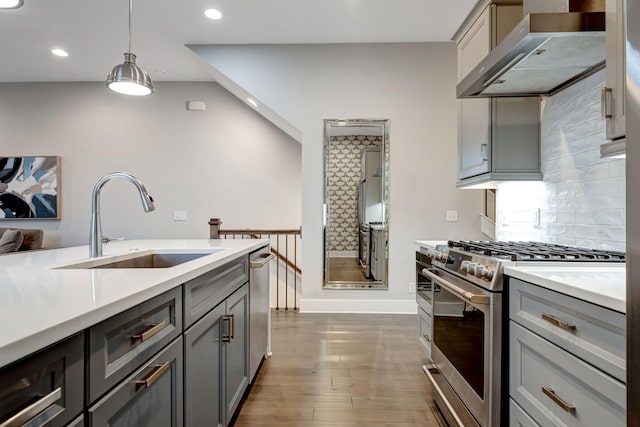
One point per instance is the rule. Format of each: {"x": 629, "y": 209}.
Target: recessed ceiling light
{"x": 213, "y": 14}
{"x": 10, "y": 4}
{"x": 59, "y": 52}
{"x": 252, "y": 102}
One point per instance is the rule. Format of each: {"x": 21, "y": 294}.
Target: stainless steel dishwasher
{"x": 259, "y": 309}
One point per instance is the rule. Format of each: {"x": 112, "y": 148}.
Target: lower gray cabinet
{"x": 203, "y": 370}
{"x": 151, "y": 396}
{"x": 237, "y": 349}
{"x": 217, "y": 362}
{"x": 45, "y": 388}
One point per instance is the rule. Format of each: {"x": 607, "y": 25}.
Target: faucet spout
{"x": 95, "y": 235}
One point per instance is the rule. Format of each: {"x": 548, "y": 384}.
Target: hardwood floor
{"x": 341, "y": 370}
{"x": 346, "y": 269}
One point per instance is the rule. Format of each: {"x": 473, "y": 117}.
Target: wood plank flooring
{"x": 346, "y": 269}
{"x": 341, "y": 370}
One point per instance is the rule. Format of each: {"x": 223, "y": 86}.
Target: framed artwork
{"x": 29, "y": 188}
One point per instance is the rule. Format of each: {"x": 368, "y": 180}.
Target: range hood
{"x": 546, "y": 52}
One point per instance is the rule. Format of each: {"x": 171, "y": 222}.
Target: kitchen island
{"x": 99, "y": 340}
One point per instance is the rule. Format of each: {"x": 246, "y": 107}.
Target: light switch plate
{"x": 179, "y": 215}
{"x": 452, "y": 216}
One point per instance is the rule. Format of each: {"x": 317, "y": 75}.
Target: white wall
{"x": 582, "y": 198}
{"x": 226, "y": 162}
{"x": 413, "y": 85}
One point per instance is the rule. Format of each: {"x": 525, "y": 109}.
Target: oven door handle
{"x": 465, "y": 295}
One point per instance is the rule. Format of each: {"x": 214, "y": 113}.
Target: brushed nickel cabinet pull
{"x": 484, "y": 152}
{"x": 153, "y": 376}
{"x": 36, "y": 408}
{"x": 232, "y": 326}
{"x": 551, "y": 394}
{"x": 605, "y": 102}
{"x": 559, "y": 323}
{"x": 153, "y": 330}
{"x": 263, "y": 260}
{"x": 226, "y": 327}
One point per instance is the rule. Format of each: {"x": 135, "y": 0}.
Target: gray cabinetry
{"x": 519, "y": 418}
{"x": 498, "y": 139}
{"x": 205, "y": 292}
{"x": 216, "y": 362}
{"x": 566, "y": 360}
{"x": 123, "y": 342}
{"x": 613, "y": 96}
{"x": 45, "y": 388}
{"x": 236, "y": 349}
{"x": 203, "y": 372}
{"x": 151, "y": 396}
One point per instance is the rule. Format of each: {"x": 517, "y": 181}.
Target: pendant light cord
{"x": 130, "y": 12}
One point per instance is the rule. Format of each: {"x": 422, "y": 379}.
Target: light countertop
{"x": 41, "y": 304}
{"x": 592, "y": 282}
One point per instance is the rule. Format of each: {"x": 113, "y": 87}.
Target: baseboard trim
{"x": 358, "y": 306}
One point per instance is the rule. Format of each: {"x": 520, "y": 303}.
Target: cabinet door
{"x": 236, "y": 349}
{"x": 614, "y": 92}
{"x": 45, "y": 388}
{"x": 474, "y": 115}
{"x": 203, "y": 371}
{"x": 151, "y": 396}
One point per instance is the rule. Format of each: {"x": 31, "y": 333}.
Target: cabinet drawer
{"x": 205, "y": 292}
{"x": 123, "y": 342}
{"x": 544, "y": 377}
{"x": 45, "y": 388}
{"x": 425, "y": 330}
{"x": 593, "y": 333}
{"x": 519, "y": 418}
{"x": 151, "y": 396}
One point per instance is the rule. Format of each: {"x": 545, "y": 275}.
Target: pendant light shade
{"x": 128, "y": 78}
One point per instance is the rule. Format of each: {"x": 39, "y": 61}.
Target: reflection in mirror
{"x": 356, "y": 204}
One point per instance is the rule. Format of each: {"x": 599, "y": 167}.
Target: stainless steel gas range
{"x": 468, "y": 351}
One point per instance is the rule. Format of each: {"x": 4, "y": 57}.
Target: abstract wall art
{"x": 29, "y": 188}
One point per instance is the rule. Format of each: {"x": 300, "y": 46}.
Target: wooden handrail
{"x": 252, "y": 231}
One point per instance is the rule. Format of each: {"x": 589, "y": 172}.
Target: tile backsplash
{"x": 581, "y": 201}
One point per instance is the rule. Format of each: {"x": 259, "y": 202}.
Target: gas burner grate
{"x": 536, "y": 251}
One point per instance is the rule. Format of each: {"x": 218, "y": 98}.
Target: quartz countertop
{"x": 604, "y": 285}
{"x": 41, "y": 304}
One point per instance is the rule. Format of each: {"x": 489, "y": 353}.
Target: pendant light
{"x": 128, "y": 78}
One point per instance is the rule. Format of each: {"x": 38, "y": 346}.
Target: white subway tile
{"x": 566, "y": 217}
{"x": 617, "y": 167}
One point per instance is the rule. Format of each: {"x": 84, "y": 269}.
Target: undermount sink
{"x": 152, "y": 261}
{"x": 148, "y": 259}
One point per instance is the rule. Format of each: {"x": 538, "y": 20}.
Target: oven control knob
{"x": 471, "y": 268}
{"x": 463, "y": 266}
{"x": 478, "y": 270}
{"x": 487, "y": 274}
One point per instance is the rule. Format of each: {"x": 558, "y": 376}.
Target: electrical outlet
{"x": 179, "y": 215}
{"x": 452, "y": 216}
{"x": 412, "y": 287}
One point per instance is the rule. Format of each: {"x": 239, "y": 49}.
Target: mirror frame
{"x": 326, "y": 220}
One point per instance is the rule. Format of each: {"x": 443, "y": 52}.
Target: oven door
{"x": 463, "y": 330}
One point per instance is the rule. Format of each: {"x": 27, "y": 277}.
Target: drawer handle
{"x": 559, "y": 323}
{"x": 227, "y": 336}
{"x": 153, "y": 376}
{"x": 33, "y": 410}
{"x": 153, "y": 330}
{"x": 262, "y": 261}
{"x": 561, "y": 403}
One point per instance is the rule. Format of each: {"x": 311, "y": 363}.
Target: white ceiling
{"x": 94, "y": 32}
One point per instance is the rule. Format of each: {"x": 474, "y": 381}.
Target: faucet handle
{"x": 106, "y": 239}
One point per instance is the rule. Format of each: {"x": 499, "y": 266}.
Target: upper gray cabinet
{"x": 498, "y": 139}
{"x": 613, "y": 93}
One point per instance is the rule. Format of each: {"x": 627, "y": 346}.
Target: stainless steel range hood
{"x": 544, "y": 53}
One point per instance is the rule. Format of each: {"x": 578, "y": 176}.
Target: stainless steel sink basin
{"x": 152, "y": 261}
{"x": 147, "y": 259}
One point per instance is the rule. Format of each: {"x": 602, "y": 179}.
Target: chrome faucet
{"x": 95, "y": 236}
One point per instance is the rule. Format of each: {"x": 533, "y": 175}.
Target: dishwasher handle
{"x": 262, "y": 260}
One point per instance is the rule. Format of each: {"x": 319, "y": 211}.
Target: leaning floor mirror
{"x": 356, "y": 204}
